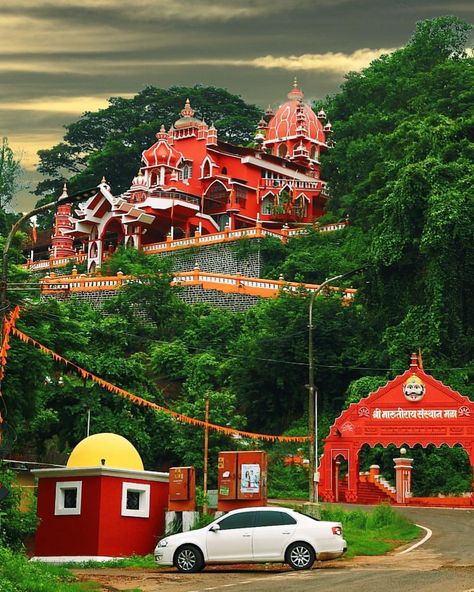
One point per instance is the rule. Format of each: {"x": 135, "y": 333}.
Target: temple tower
{"x": 62, "y": 243}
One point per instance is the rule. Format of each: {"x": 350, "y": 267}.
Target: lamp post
{"x": 206, "y": 453}
{"x": 81, "y": 196}
{"x": 313, "y": 479}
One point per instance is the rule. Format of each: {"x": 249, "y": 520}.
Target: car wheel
{"x": 300, "y": 556}
{"x": 188, "y": 559}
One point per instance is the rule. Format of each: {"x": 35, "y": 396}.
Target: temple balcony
{"x": 280, "y": 182}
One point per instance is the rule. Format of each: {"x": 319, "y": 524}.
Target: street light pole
{"x": 206, "y": 453}
{"x": 313, "y": 478}
{"x": 81, "y": 196}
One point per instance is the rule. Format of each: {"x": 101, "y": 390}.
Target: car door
{"x": 232, "y": 541}
{"x": 272, "y": 533}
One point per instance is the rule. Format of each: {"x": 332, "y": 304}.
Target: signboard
{"x": 250, "y": 478}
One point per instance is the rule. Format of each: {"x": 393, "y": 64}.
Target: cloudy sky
{"x": 59, "y": 58}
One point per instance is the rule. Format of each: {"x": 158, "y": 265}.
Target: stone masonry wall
{"x": 226, "y": 300}
{"x": 190, "y": 295}
{"x": 225, "y": 258}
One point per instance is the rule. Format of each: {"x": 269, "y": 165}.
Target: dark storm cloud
{"x": 60, "y": 58}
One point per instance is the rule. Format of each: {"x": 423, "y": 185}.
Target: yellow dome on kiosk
{"x": 109, "y": 450}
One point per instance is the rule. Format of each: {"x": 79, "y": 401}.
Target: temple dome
{"x": 286, "y": 123}
{"x": 116, "y": 451}
{"x": 139, "y": 181}
{"x": 161, "y": 153}
{"x": 187, "y": 118}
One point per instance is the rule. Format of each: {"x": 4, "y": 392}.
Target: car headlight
{"x": 163, "y": 543}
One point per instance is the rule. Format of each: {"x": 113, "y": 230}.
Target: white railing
{"x": 263, "y": 288}
{"x": 198, "y": 240}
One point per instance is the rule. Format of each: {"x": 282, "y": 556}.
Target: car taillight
{"x": 337, "y": 530}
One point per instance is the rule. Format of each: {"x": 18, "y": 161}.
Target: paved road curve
{"x": 445, "y": 563}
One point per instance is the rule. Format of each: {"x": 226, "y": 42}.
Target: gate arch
{"x": 414, "y": 408}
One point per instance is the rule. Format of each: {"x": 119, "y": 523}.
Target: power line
{"x": 278, "y": 360}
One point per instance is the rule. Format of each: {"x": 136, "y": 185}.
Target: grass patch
{"x": 17, "y": 574}
{"x": 372, "y": 533}
{"x": 369, "y": 532}
{"x": 135, "y": 561}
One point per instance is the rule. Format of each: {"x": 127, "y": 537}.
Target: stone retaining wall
{"x": 189, "y": 294}
{"x": 226, "y": 300}
{"x": 224, "y": 258}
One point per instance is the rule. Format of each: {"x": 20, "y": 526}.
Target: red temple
{"x": 191, "y": 182}
{"x": 414, "y": 408}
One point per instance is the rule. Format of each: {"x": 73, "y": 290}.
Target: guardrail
{"x": 262, "y": 288}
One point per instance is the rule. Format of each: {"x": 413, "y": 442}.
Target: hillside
{"x": 402, "y": 171}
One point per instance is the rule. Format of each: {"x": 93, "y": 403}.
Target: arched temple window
{"x": 267, "y": 205}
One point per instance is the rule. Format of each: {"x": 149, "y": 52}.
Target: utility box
{"x": 182, "y": 492}
{"x": 242, "y": 479}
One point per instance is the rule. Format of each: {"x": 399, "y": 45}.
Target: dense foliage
{"x": 402, "y": 169}
{"x": 15, "y": 525}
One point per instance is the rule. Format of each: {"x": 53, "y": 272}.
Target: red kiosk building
{"x": 102, "y": 505}
{"x": 414, "y": 408}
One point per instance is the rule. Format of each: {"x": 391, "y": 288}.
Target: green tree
{"x": 15, "y": 525}
{"x": 402, "y": 168}
{"x": 109, "y": 141}
{"x": 10, "y": 181}
{"x": 10, "y": 172}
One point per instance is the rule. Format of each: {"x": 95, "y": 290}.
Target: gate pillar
{"x": 353, "y": 476}
{"x": 403, "y": 468}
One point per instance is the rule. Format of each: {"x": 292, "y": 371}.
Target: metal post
{"x": 312, "y": 424}
{"x": 313, "y": 477}
{"x": 44, "y": 208}
{"x": 206, "y": 454}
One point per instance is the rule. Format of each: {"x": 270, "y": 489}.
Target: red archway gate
{"x": 414, "y": 408}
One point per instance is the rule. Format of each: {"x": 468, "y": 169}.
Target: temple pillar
{"x": 337, "y": 476}
{"x": 471, "y": 457}
{"x": 403, "y": 468}
{"x": 353, "y": 477}
{"x": 374, "y": 472}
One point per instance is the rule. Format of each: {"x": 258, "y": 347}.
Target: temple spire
{"x": 188, "y": 110}
{"x": 295, "y": 94}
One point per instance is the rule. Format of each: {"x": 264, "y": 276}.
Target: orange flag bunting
{"x": 8, "y": 325}
{"x": 140, "y": 401}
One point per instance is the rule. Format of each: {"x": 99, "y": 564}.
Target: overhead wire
{"x": 279, "y": 360}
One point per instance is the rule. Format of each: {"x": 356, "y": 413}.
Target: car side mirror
{"x": 215, "y": 528}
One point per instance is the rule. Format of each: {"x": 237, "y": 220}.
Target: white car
{"x": 254, "y": 535}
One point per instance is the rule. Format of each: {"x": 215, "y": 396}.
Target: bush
{"x": 15, "y": 525}
{"x": 202, "y": 520}
{"x": 287, "y": 481}
{"x": 17, "y": 574}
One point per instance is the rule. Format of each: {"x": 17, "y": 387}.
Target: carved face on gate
{"x": 414, "y": 389}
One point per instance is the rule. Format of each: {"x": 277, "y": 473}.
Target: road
{"x": 444, "y": 563}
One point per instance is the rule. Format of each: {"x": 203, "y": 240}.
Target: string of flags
{"x": 86, "y": 375}
{"x": 8, "y": 325}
